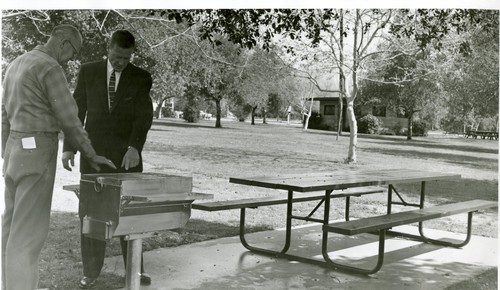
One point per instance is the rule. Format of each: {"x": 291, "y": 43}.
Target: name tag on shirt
{"x": 28, "y": 143}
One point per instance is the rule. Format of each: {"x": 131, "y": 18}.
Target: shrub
{"x": 190, "y": 114}
{"x": 453, "y": 124}
{"x": 167, "y": 112}
{"x": 487, "y": 124}
{"x": 192, "y": 106}
{"x": 386, "y": 131}
{"x": 241, "y": 112}
{"x": 314, "y": 121}
{"x": 369, "y": 124}
{"x": 420, "y": 128}
{"x": 398, "y": 128}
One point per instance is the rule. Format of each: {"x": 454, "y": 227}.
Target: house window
{"x": 379, "y": 111}
{"x": 329, "y": 109}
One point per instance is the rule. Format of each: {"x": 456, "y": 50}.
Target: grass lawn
{"x": 212, "y": 155}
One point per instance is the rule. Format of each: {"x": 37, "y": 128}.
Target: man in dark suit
{"x": 114, "y": 104}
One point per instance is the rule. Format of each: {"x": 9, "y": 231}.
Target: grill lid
{"x": 153, "y": 186}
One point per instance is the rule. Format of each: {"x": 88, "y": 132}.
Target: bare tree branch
{"x": 28, "y": 13}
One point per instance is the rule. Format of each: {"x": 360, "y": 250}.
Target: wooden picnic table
{"x": 332, "y": 183}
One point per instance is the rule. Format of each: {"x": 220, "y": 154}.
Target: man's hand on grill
{"x": 131, "y": 158}
{"x": 97, "y": 160}
{"x": 67, "y": 159}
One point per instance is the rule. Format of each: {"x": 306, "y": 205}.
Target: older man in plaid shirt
{"x": 37, "y": 104}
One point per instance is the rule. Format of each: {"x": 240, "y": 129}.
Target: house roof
{"x": 324, "y": 99}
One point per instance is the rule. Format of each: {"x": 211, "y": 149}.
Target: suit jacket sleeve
{"x": 143, "y": 113}
{"x": 80, "y": 97}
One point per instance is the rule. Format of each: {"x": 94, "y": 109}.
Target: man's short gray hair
{"x": 67, "y": 32}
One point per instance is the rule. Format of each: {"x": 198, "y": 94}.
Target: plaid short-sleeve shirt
{"x": 36, "y": 98}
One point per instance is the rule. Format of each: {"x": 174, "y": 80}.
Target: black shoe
{"x": 87, "y": 283}
{"x": 145, "y": 279}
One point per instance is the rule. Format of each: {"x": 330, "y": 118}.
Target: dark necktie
{"x": 111, "y": 90}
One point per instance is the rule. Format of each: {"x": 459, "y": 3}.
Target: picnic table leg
{"x": 389, "y": 199}
{"x": 347, "y": 207}
{"x": 288, "y": 233}
{"x": 450, "y": 244}
{"x": 438, "y": 242}
{"x": 331, "y": 263}
{"x": 422, "y": 194}
{"x": 133, "y": 274}
{"x": 378, "y": 265}
{"x": 420, "y": 205}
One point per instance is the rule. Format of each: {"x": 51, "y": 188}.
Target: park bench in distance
{"x": 483, "y": 134}
{"x": 383, "y": 223}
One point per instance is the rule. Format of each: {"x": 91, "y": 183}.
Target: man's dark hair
{"x": 123, "y": 39}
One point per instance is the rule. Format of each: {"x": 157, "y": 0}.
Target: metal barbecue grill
{"x": 134, "y": 205}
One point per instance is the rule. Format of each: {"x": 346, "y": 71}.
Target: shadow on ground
{"x": 468, "y": 161}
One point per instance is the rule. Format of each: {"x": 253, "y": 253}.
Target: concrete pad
{"x": 226, "y": 264}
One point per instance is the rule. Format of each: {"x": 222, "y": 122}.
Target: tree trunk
{"x": 289, "y": 112}
{"x": 341, "y": 75}
{"x": 306, "y": 121}
{"x": 340, "y": 113}
{"x": 253, "y": 115}
{"x": 308, "y": 115}
{"x": 353, "y": 126}
{"x": 350, "y": 97}
{"x": 218, "y": 113}
{"x": 409, "y": 133}
{"x": 158, "y": 110}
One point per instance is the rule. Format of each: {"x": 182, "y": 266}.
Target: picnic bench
{"x": 243, "y": 204}
{"x": 347, "y": 184}
{"x": 381, "y": 225}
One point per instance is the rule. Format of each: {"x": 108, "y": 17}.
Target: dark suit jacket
{"x": 128, "y": 122}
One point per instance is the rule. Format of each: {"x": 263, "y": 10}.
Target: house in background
{"x": 327, "y": 115}
{"x": 327, "y": 108}
{"x": 388, "y": 117}
{"x": 328, "y": 112}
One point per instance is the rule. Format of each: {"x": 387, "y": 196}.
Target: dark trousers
{"x": 93, "y": 251}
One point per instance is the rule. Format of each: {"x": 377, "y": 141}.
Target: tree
{"x": 403, "y": 79}
{"x": 23, "y": 30}
{"x": 263, "y": 76}
{"x": 251, "y": 87}
{"x": 471, "y": 80}
{"x": 174, "y": 67}
{"x": 346, "y": 46}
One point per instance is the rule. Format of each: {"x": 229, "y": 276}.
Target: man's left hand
{"x": 131, "y": 158}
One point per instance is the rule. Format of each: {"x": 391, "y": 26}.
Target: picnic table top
{"x": 305, "y": 182}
